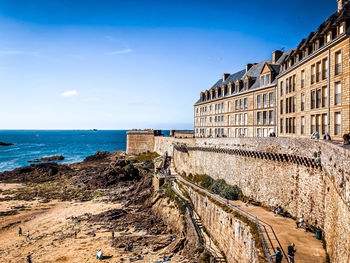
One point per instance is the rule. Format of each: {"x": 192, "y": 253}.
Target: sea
{"x": 74, "y": 145}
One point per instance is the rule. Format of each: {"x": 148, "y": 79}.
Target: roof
{"x": 253, "y": 73}
{"x": 329, "y": 23}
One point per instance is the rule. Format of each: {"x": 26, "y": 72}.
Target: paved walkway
{"x": 309, "y": 249}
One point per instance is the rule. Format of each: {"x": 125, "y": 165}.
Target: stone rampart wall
{"x": 232, "y": 236}
{"x": 308, "y": 178}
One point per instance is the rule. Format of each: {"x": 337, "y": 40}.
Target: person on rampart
{"x": 291, "y": 252}
{"x": 278, "y": 255}
{"x": 327, "y": 137}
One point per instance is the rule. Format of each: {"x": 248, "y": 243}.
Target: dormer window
{"x": 341, "y": 28}
{"x": 246, "y": 85}
{"x": 329, "y": 37}
{"x": 267, "y": 79}
{"x": 262, "y": 80}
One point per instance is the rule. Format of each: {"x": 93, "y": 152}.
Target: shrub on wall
{"x": 219, "y": 187}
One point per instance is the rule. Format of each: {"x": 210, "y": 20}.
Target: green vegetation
{"x": 51, "y": 191}
{"x": 143, "y": 157}
{"x": 219, "y": 187}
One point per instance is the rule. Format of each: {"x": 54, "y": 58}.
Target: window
{"x": 264, "y": 117}
{"x": 312, "y": 99}
{"x": 241, "y": 120}
{"x": 267, "y": 79}
{"x": 313, "y": 74}
{"x": 245, "y": 85}
{"x": 318, "y": 98}
{"x": 302, "y": 99}
{"x": 337, "y": 93}
{"x": 271, "y": 99}
{"x": 324, "y": 96}
{"x": 265, "y": 100}
{"x": 319, "y": 72}
{"x": 337, "y": 123}
{"x": 258, "y": 132}
{"x": 237, "y": 120}
{"x": 265, "y": 132}
{"x": 294, "y": 101}
{"x": 271, "y": 117}
{"x": 281, "y": 125}
{"x": 281, "y": 107}
{"x": 329, "y": 37}
{"x": 318, "y": 123}
{"x": 341, "y": 29}
{"x": 262, "y": 81}
{"x": 240, "y": 104}
{"x": 303, "y": 79}
{"x": 338, "y": 63}
{"x": 259, "y": 101}
{"x": 236, "y": 105}
{"x": 287, "y": 105}
{"x": 313, "y": 123}
{"x": 324, "y": 123}
{"x": 245, "y": 118}
{"x": 302, "y": 125}
{"x": 287, "y": 86}
{"x": 229, "y": 106}
{"x": 246, "y": 103}
{"x": 259, "y": 117}
{"x": 228, "y": 120}
{"x": 325, "y": 69}
{"x": 281, "y": 88}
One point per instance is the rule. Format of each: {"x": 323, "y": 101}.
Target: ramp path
{"x": 279, "y": 231}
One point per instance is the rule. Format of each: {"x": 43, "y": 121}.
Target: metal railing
{"x": 263, "y": 227}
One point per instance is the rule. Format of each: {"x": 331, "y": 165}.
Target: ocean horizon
{"x": 75, "y": 145}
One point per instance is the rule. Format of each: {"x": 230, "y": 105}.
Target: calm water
{"x": 73, "y": 145}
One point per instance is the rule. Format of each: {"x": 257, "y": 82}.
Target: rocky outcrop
{"x": 48, "y": 159}
{"x": 5, "y": 144}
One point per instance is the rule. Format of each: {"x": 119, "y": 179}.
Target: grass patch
{"x": 143, "y": 157}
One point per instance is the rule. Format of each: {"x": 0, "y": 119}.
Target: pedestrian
{"x": 291, "y": 252}
{"x": 20, "y": 231}
{"x": 300, "y": 222}
{"x": 75, "y": 234}
{"x": 278, "y": 255}
{"x": 112, "y": 234}
{"x": 327, "y": 137}
{"x": 27, "y": 236}
{"x": 29, "y": 259}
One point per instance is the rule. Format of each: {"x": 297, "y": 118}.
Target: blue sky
{"x": 112, "y": 64}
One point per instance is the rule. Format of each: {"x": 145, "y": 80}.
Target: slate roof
{"x": 253, "y": 73}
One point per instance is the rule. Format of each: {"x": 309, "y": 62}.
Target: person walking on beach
{"x": 19, "y": 231}
{"x": 28, "y": 259}
{"x": 278, "y": 255}
{"x": 27, "y": 236}
{"x": 291, "y": 252}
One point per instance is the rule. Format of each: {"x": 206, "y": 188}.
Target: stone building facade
{"x": 295, "y": 93}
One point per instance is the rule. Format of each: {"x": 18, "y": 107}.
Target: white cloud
{"x": 69, "y": 93}
{"x": 122, "y": 51}
{"x": 16, "y": 53}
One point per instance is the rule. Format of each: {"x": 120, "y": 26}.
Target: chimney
{"x": 341, "y": 4}
{"x": 276, "y": 55}
{"x": 248, "y": 67}
{"x": 225, "y": 76}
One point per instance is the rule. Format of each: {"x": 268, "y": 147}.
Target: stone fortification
{"x": 230, "y": 234}
{"x": 140, "y": 141}
{"x": 308, "y": 178}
